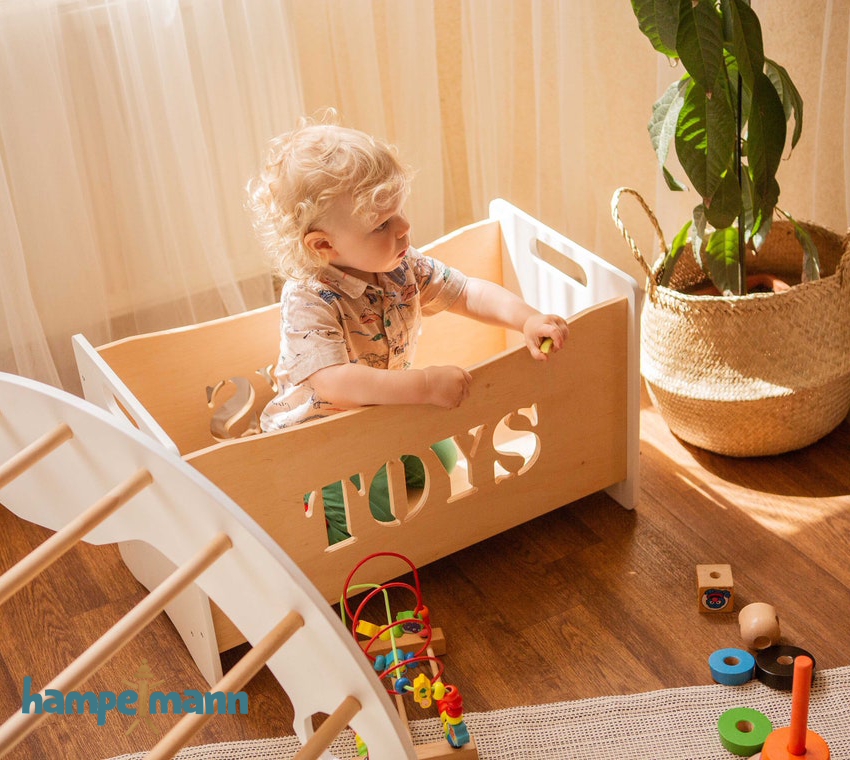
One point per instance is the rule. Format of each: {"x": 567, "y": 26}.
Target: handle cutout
{"x": 560, "y": 261}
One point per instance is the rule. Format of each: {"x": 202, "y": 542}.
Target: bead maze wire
{"x": 395, "y": 667}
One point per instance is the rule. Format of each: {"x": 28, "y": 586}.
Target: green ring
{"x": 744, "y": 743}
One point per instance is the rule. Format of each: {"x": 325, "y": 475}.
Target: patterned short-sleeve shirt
{"x": 336, "y": 318}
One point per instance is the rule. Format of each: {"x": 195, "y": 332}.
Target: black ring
{"x": 779, "y": 675}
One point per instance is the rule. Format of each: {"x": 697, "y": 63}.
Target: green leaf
{"x": 705, "y": 139}
{"x": 792, "y": 102}
{"x": 758, "y": 212}
{"x": 742, "y": 29}
{"x": 760, "y": 234}
{"x": 697, "y": 234}
{"x": 662, "y": 125}
{"x": 732, "y": 79}
{"x": 659, "y": 20}
{"x": 725, "y": 205}
{"x": 672, "y": 182}
{"x": 749, "y": 204}
{"x": 699, "y": 41}
{"x": 721, "y": 260}
{"x": 765, "y": 135}
{"x": 811, "y": 261}
{"x": 676, "y": 248}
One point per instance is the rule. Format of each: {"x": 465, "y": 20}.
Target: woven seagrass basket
{"x": 749, "y": 375}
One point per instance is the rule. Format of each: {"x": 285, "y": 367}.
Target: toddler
{"x": 329, "y": 207}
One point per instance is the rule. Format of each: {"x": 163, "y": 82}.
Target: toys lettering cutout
{"x": 501, "y": 448}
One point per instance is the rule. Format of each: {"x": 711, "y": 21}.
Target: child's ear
{"x": 318, "y": 242}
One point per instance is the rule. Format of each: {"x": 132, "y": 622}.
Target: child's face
{"x": 352, "y": 244}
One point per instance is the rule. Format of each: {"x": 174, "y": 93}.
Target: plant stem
{"x": 742, "y": 264}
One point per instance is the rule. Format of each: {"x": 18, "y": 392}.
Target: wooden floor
{"x": 589, "y": 600}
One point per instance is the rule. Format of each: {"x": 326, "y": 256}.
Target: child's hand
{"x": 538, "y": 327}
{"x": 446, "y": 386}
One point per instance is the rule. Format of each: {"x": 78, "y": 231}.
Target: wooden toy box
{"x": 532, "y": 436}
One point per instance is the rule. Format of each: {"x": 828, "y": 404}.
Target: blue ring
{"x": 731, "y": 675}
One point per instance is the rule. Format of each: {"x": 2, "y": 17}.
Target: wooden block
{"x": 715, "y": 588}
{"x": 409, "y": 641}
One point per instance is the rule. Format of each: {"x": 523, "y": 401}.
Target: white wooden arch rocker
{"x": 532, "y": 436}
{"x": 73, "y": 468}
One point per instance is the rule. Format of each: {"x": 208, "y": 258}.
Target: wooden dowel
{"x": 434, "y": 669}
{"x": 38, "y": 449}
{"x": 16, "y": 728}
{"x": 801, "y": 684}
{"x": 38, "y": 560}
{"x": 329, "y": 730}
{"x": 233, "y": 681}
{"x": 402, "y": 713}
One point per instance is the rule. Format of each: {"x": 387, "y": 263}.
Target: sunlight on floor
{"x": 781, "y": 514}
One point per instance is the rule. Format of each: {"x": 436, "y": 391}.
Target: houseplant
{"x": 737, "y": 372}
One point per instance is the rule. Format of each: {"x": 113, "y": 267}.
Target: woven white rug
{"x": 672, "y": 724}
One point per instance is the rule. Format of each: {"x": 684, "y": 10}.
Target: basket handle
{"x": 615, "y": 215}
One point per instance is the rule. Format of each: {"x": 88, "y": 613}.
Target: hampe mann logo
{"x": 143, "y": 700}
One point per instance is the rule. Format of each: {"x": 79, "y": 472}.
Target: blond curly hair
{"x": 305, "y": 171}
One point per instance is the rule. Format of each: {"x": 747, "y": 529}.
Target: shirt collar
{"x": 348, "y": 284}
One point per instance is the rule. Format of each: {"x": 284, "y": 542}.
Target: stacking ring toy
{"x": 731, "y": 666}
{"x": 743, "y": 730}
{"x": 775, "y": 665}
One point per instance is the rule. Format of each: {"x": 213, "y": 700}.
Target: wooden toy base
{"x": 776, "y": 746}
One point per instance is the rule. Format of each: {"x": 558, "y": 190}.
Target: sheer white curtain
{"x": 128, "y": 129}
{"x": 557, "y": 95}
{"x": 555, "y": 107}
{"x": 376, "y": 63}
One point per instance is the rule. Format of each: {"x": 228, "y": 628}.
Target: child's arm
{"x": 352, "y": 385}
{"x": 493, "y": 304}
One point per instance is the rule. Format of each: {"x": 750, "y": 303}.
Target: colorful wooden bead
{"x": 743, "y": 730}
{"x": 410, "y": 624}
{"x": 715, "y": 588}
{"x": 401, "y": 685}
{"x": 731, "y": 666}
{"x": 360, "y": 746}
{"x": 365, "y": 628}
{"x": 759, "y": 625}
{"x": 422, "y": 690}
{"x": 438, "y": 690}
{"x": 457, "y": 735}
{"x": 450, "y": 719}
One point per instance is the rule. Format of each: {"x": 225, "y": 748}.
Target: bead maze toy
{"x": 531, "y": 436}
{"x": 384, "y": 644}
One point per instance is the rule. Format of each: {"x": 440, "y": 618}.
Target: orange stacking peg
{"x": 799, "y": 706}
{"x": 797, "y": 742}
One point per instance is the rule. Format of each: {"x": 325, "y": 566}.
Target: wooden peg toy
{"x": 796, "y": 741}
{"x": 731, "y": 666}
{"x": 743, "y": 730}
{"x": 759, "y": 625}
{"x": 775, "y": 665}
{"x": 715, "y": 588}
